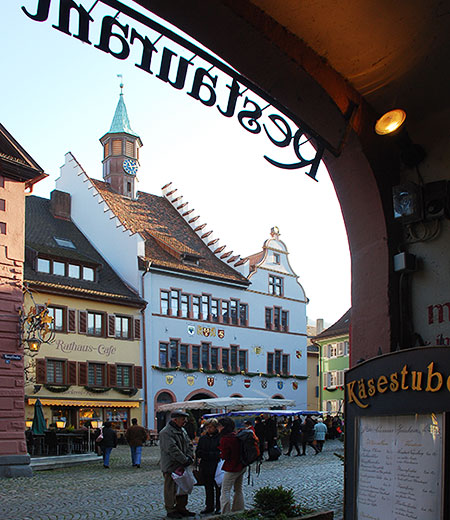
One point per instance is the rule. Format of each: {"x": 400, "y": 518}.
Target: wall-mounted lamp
{"x": 392, "y": 124}
{"x": 34, "y": 344}
{"x": 60, "y": 424}
{"x": 28, "y": 424}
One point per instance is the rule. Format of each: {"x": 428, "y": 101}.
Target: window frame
{"x": 53, "y": 362}
{"x": 96, "y": 314}
{"x": 119, "y": 369}
{"x": 276, "y": 285}
{"x": 102, "y": 367}
{"x": 63, "y": 310}
{"x": 122, "y": 318}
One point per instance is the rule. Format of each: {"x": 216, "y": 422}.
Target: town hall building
{"x": 215, "y": 324}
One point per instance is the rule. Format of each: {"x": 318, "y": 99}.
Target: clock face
{"x": 130, "y": 166}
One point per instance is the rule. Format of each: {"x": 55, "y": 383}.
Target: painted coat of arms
{"x": 210, "y": 381}
{"x": 264, "y": 383}
{"x": 247, "y": 383}
{"x": 169, "y": 379}
{"x": 280, "y": 385}
{"x": 294, "y": 385}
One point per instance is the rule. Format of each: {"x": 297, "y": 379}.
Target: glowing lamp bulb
{"x": 390, "y": 122}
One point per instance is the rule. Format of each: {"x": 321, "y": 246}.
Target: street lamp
{"x": 33, "y": 344}
{"x": 61, "y": 424}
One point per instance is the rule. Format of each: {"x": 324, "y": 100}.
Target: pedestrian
{"x": 230, "y": 452}
{"x": 295, "y": 436}
{"x": 259, "y": 431}
{"x": 308, "y": 435}
{"x": 320, "y": 432}
{"x": 270, "y": 432}
{"x": 176, "y": 452}
{"x": 191, "y": 427}
{"x": 208, "y": 455}
{"x": 136, "y": 436}
{"x": 107, "y": 442}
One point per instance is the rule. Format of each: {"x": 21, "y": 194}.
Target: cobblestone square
{"x": 89, "y": 492}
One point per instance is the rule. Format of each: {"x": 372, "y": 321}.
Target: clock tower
{"x": 121, "y": 152}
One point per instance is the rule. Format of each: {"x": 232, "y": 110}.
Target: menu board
{"x": 399, "y": 475}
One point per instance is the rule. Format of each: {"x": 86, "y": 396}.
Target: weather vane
{"x": 121, "y": 83}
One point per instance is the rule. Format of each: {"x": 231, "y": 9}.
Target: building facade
{"x": 334, "y": 345}
{"x": 91, "y": 369}
{"x": 216, "y": 324}
{"x": 18, "y": 172}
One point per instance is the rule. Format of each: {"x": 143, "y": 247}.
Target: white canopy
{"x": 228, "y": 403}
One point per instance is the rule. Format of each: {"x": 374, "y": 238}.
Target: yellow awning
{"x": 94, "y": 404}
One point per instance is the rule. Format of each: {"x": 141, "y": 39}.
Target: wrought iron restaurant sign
{"x": 141, "y": 36}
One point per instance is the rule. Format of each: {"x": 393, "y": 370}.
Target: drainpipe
{"x": 144, "y": 346}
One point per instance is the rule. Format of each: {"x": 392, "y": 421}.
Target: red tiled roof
{"x": 167, "y": 235}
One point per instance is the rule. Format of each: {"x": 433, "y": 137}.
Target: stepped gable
{"x": 171, "y": 242}
{"x": 41, "y": 228}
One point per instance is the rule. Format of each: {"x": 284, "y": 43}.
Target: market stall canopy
{"x": 278, "y": 413}
{"x": 228, "y": 403}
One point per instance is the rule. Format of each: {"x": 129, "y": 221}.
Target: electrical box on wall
{"x": 404, "y": 263}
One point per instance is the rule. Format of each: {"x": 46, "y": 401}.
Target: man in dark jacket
{"x": 295, "y": 436}
{"x": 308, "y": 435}
{"x": 108, "y": 442}
{"x": 136, "y": 436}
{"x": 176, "y": 452}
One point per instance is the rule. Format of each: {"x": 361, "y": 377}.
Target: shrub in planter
{"x": 275, "y": 503}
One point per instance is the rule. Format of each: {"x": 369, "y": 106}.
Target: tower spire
{"x": 121, "y": 151}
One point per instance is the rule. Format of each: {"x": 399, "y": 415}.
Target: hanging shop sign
{"x": 137, "y": 35}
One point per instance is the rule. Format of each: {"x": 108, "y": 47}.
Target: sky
{"x": 59, "y": 94}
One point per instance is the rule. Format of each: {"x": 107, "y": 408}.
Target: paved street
{"x": 90, "y": 492}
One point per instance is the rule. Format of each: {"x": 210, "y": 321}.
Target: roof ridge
{"x": 172, "y": 195}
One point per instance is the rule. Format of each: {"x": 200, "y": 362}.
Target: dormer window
{"x": 69, "y": 269}
{"x": 64, "y": 242}
{"x": 191, "y": 259}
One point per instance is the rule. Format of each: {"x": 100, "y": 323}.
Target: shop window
{"x": 96, "y": 374}
{"x": 95, "y": 324}
{"x": 122, "y": 327}
{"x": 124, "y": 376}
{"x": 275, "y": 285}
{"x": 56, "y": 370}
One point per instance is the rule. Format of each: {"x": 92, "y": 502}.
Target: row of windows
{"x": 334, "y": 378}
{"x": 94, "y": 323}
{"x": 204, "y": 307}
{"x": 337, "y": 349}
{"x": 174, "y": 354}
{"x": 66, "y": 372}
{"x": 68, "y": 269}
{"x": 277, "y": 319}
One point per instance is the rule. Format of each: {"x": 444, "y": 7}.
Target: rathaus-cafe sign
{"x": 143, "y": 37}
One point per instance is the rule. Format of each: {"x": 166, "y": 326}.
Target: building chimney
{"x": 60, "y": 202}
{"x": 319, "y": 325}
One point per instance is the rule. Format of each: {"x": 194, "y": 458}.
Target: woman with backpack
{"x": 230, "y": 452}
{"x": 208, "y": 455}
